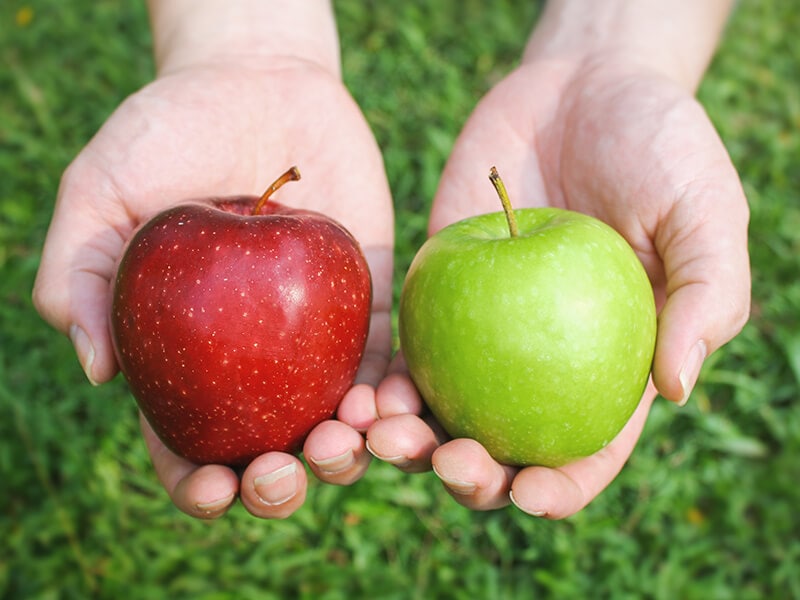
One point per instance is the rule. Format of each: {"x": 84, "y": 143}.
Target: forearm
{"x": 188, "y": 32}
{"x": 677, "y": 38}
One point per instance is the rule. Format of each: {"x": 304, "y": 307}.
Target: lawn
{"x": 707, "y": 507}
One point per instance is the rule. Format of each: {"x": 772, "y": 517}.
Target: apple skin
{"x": 538, "y": 346}
{"x": 238, "y": 333}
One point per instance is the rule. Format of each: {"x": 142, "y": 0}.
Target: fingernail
{"x": 398, "y": 461}
{"x": 84, "y": 350}
{"x": 277, "y": 487}
{"x": 337, "y": 464}
{"x": 533, "y": 513}
{"x": 463, "y": 488}
{"x": 214, "y": 506}
{"x": 690, "y": 370}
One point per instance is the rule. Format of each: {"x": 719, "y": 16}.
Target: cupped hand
{"x": 218, "y": 130}
{"x": 624, "y": 144}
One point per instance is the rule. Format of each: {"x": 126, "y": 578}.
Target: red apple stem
{"x": 293, "y": 174}
{"x": 498, "y": 184}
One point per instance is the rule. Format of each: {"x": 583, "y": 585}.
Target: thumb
{"x": 72, "y": 287}
{"x": 703, "y": 242}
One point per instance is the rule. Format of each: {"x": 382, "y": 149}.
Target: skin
{"x": 225, "y": 116}
{"x": 599, "y": 117}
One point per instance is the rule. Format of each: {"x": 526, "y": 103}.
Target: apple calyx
{"x": 498, "y": 184}
{"x": 292, "y": 174}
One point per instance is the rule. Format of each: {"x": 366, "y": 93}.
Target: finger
{"x": 357, "y": 409}
{"x": 405, "y": 441}
{"x": 72, "y": 288}
{"x": 378, "y": 350}
{"x": 75, "y": 301}
{"x": 336, "y": 453}
{"x": 559, "y": 493}
{"x": 205, "y": 492}
{"x": 704, "y": 247}
{"x": 472, "y": 476}
{"x": 397, "y": 395}
{"x": 274, "y": 486}
{"x": 397, "y": 364}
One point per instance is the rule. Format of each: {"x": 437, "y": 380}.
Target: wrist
{"x": 187, "y": 33}
{"x": 676, "y": 39}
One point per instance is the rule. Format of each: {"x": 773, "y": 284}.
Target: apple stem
{"x": 293, "y": 174}
{"x": 498, "y": 184}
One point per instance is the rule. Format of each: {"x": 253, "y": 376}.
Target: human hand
{"x": 622, "y": 142}
{"x": 216, "y": 128}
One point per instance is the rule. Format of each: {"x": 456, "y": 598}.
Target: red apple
{"x": 239, "y": 324}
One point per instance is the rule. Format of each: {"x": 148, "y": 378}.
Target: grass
{"x": 706, "y": 508}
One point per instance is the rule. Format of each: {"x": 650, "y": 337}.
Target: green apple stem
{"x": 498, "y": 184}
{"x": 293, "y": 174}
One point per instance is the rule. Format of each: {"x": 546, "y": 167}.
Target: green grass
{"x": 707, "y": 507}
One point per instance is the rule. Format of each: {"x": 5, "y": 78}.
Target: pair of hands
{"x": 609, "y": 139}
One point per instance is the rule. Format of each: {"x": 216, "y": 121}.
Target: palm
{"x": 619, "y": 147}
{"x": 232, "y": 131}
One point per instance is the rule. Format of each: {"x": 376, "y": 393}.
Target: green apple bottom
{"x": 538, "y": 346}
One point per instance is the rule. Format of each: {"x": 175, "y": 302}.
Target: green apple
{"x": 531, "y": 331}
